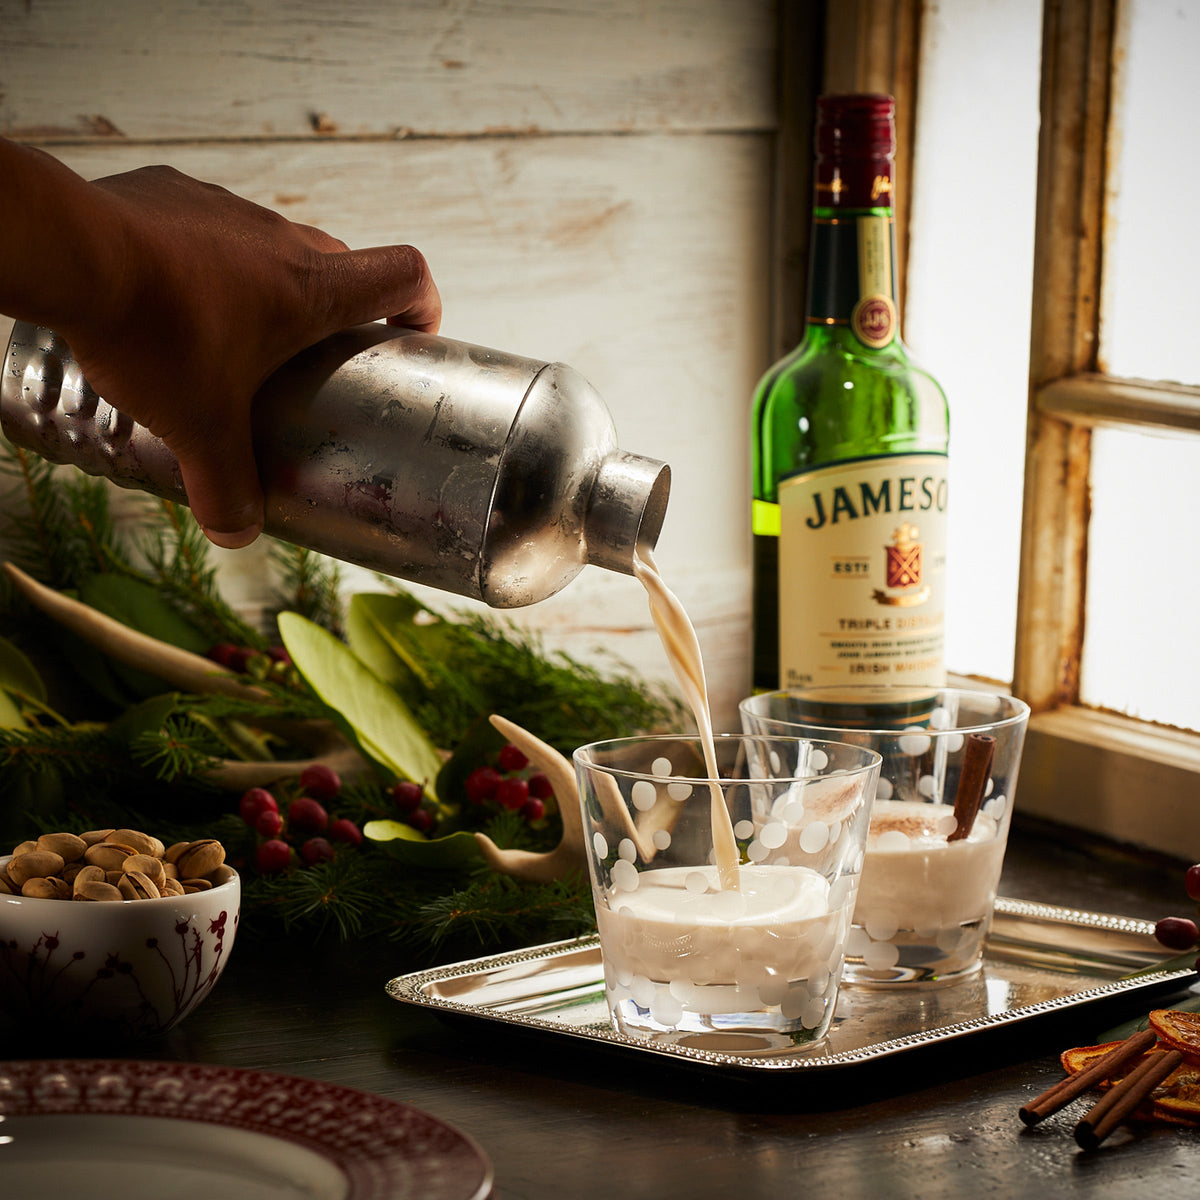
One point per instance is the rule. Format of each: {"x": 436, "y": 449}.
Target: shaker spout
{"x": 626, "y": 509}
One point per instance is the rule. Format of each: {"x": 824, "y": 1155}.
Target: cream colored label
{"x": 874, "y": 256}
{"x": 874, "y": 318}
{"x": 862, "y": 572}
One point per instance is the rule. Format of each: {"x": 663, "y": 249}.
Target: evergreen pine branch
{"x": 177, "y": 556}
{"x": 73, "y": 753}
{"x": 57, "y": 524}
{"x": 499, "y": 667}
{"x": 495, "y": 911}
{"x": 309, "y": 584}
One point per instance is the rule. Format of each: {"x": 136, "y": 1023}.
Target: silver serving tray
{"x": 1040, "y": 960}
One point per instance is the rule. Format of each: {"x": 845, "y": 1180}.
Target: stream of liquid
{"x": 682, "y": 647}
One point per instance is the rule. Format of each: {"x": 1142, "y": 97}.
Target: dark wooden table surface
{"x": 560, "y": 1123}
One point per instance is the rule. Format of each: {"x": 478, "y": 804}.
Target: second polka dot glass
{"x": 940, "y": 824}
{"x": 751, "y": 968}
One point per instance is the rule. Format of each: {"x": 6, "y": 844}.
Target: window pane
{"x": 1141, "y": 652}
{"x": 1153, "y": 238}
{"x": 969, "y": 293}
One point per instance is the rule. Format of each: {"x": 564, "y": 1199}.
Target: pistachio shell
{"x": 196, "y": 885}
{"x": 139, "y": 843}
{"x": 172, "y": 852}
{"x": 96, "y": 835}
{"x": 151, "y": 867}
{"x": 69, "y": 845}
{"x": 7, "y": 887}
{"x": 172, "y": 887}
{"x": 170, "y": 870}
{"x": 137, "y": 885}
{"x": 51, "y": 888}
{"x": 87, "y": 875}
{"x": 223, "y": 874}
{"x": 33, "y": 864}
{"x": 24, "y": 848}
{"x": 69, "y": 871}
{"x": 109, "y": 855}
{"x": 200, "y": 858}
{"x": 94, "y": 889}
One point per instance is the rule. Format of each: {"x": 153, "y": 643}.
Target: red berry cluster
{"x": 1182, "y": 933}
{"x": 508, "y": 783}
{"x": 274, "y": 662}
{"x": 409, "y": 799}
{"x": 307, "y": 822}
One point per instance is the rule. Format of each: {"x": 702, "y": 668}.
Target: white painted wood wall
{"x": 589, "y": 180}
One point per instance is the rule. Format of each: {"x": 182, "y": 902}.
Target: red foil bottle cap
{"x": 855, "y": 149}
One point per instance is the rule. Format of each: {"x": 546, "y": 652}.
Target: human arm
{"x": 178, "y": 299}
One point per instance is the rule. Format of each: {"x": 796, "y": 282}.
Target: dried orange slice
{"x": 1079, "y": 1058}
{"x": 1178, "y": 1030}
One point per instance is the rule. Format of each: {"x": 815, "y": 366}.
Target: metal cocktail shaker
{"x": 467, "y": 469}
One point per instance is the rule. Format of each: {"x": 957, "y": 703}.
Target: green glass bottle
{"x": 850, "y": 447}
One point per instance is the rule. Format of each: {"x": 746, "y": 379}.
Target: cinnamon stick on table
{"x": 1066, "y": 1090}
{"x": 972, "y": 782}
{"x": 1125, "y": 1097}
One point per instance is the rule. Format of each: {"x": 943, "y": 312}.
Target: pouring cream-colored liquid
{"x": 679, "y": 640}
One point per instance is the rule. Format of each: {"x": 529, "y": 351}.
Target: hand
{"x": 192, "y": 297}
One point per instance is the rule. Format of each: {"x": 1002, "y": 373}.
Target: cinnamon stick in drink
{"x": 972, "y": 782}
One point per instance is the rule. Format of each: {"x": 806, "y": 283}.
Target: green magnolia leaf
{"x": 18, "y": 677}
{"x": 18, "y": 674}
{"x": 375, "y": 714}
{"x": 140, "y": 605}
{"x": 10, "y": 715}
{"x": 457, "y": 852}
{"x": 372, "y": 624}
{"x": 147, "y": 717}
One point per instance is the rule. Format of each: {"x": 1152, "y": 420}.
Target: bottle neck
{"x": 852, "y": 275}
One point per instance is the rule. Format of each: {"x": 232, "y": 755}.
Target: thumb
{"x": 220, "y": 477}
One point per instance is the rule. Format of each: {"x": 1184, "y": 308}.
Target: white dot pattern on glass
{"x": 773, "y": 835}
{"x": 743, "y": 830}
{"x": 624, "y": 875}
{"x": 644, "y": 795}
{"x": 661, "y": 767}
{"x": 626, "y": 849}
{"x": 814, "y": 837}
{"x": 661, "y": 839}
{"x": 600, "y": 845}
{"x": 818, "y": 760}
{"x": 914, "y": 742}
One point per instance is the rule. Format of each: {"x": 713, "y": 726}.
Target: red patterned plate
{"x": 114, "y": 1129}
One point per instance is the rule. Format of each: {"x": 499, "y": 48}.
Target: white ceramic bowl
{"x": 129, "y": 967}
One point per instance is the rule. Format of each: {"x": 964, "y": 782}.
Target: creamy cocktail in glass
{"x": 743, "y": 955}
{"x": 940, "y": 823}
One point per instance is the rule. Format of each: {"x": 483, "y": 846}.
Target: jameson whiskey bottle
{"x": 849, "y": 442}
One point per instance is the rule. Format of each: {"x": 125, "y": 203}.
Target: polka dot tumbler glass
{"x": 689, "y": 958}
{"x": 940, "y": 822}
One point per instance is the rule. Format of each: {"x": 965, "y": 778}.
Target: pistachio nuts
{"x": 112, "y": 864}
